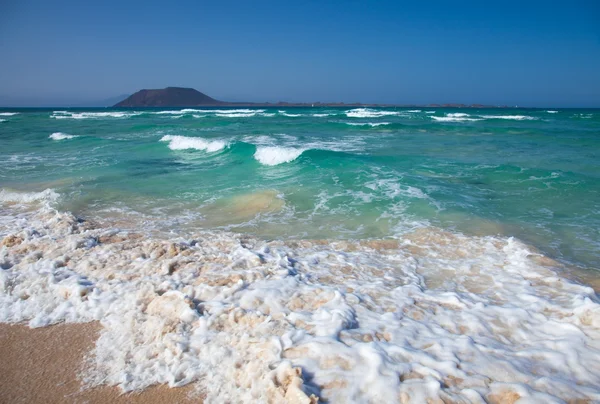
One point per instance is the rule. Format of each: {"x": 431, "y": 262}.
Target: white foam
{"x": 372, "y": 124}
{"x": 321, "y": 115}
{"x": 430, "y": 112}
{"x": 48, "y": 195}
{"x": 430, "y": 317}
{"x": 414, "y": 110}
{"x": 274, "y": 155}
{"x": 92, "y": 115}
{"x": 449, "y": 118}
{"x": 456, "y": 117}
{"x": 8, "y": 113}
{"x": 237, "y": 115}
{"x": 3, "y": 120}
{"x": 184, "y": 142}
{"x": 552, "y": 112}
{"x": 283, "y": 113}
{"x": 236, "y": 111}
{"x": 61, "y": 136}
{"x": 369, "y": 113}
{"x": 510, "y": 117}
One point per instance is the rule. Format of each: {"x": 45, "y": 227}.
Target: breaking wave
{"x": 510, "y": 117}
{"x": 275, "y": 155}
{"x": 455, "y": 117}
{"x": 61, "y": 136}
{"x": 369, "y": 113}
{"x": 184, "y": 142}
{"x": 372, "y": 124}
{"x": 92, "y": 115}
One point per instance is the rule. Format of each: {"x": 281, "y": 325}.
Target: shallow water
{"x": 357, "y": 255}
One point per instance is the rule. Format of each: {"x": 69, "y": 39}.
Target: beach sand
{"x": 40, "y": 365}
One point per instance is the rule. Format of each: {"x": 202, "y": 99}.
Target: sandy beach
{"x": 41, "y": 365}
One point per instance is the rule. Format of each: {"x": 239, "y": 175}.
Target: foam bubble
{"x": 61, "y": 136}
{"x": 184, "y": 142}
{"x": 274, "y": 155}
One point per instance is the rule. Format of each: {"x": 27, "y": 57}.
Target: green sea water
{"x": 320, "y": 173}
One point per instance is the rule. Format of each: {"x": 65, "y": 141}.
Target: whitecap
{"x": 414, "y": 110}
{"x": 368, "y": 113}
{"x": 92, "y": 115}
{"x": 274, "y": 155}
{"x": 184, "y": 142}
{"x": 8, "y": 113}
{"x": 372, "y": 124}
{"x": 510, "y": 117}
{"x": 283, "y": 113}
{"x": 237, "y": 115}
{"x": 61, "y": 136}
{"x": 552, "y": 112}
{"x": 457, "y": 117}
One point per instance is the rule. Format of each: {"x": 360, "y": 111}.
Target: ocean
{"x": 347, "y": 254}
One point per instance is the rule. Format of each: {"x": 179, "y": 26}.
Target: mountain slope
{"x": 168, "y": 97}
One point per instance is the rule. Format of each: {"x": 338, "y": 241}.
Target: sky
{"x": 526, "y": 53}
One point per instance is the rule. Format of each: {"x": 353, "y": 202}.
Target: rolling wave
{"x": 275, "y": 155}
{"x": 184, "y": 142}
{"x": 61, "y": 136}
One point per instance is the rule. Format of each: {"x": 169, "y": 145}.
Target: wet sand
{"x": 41, "y": 365}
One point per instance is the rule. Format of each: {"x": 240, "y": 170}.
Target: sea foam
{"x": 455, "y": 117}
{"x": 8, "y": 113}
{"x": 372, "y": 124}
{"x": 274, "y": 155}
{"x": 510, "y": 117}
{"x": 92, "y": 115}
{"x": 61, "y": 136}
{"x": 184, "y": 142}
{"x": 9, "y": 196}
{"x": 431, "y": 317}
{"x": 368, "y": 113}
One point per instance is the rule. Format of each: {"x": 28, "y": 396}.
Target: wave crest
{"x": 275, "y": 155}
{"x": 368, "y": 113}
{"x": 177, "y": 142}
{"x": 61, "y": 136}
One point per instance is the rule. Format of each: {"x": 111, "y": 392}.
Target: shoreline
{"x": 43, "y": 365}
{"x": 436, "y": 315}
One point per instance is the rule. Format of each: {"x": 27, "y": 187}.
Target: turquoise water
{"x": 320, "y": 173}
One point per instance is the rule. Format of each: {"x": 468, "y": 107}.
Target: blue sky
{"x": 530, "y": 53}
